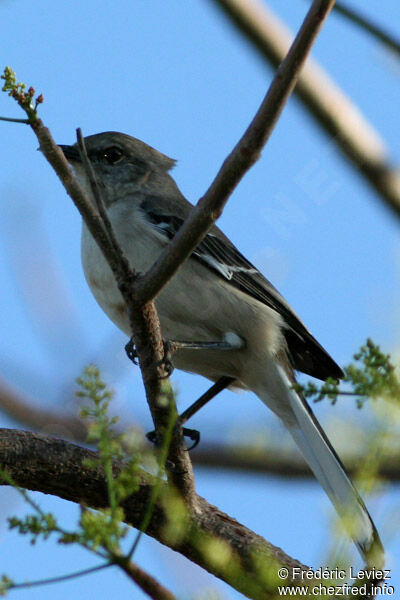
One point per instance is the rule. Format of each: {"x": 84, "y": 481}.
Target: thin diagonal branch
{"x": 60, "y": 578}
{"x": 145, "y": 326}
{"x": 146, "y": 582}
{"x": 329, "y": 106}
{"x": 143, "y": 317}
{"x": 122, "y": 268}
{"x": 243, "y": 156}
{"x": 90, "y": 215}
{"x": 387, "y": 39}
{"x": 13, "y": 120}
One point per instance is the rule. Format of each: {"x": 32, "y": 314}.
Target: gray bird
{"x": 237, "y": 324}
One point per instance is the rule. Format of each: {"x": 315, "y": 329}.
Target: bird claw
{"x": 131, "y": 353}
{"x": 192, "y": 434}
{"x": 167, "y": 360}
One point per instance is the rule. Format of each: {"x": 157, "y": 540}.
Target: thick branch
{"x": 275, "y": 461}
{"x": 244, "y": 155}
{"x": 329, "y": 106}
{"x": 53, "y": 466}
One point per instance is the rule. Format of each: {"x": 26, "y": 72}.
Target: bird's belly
{"x": 192, "y": 307}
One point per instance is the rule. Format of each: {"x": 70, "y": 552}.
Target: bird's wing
{"x": 216, "y": 252}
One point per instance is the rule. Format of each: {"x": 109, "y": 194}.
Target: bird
{"x": 232, "y": 322}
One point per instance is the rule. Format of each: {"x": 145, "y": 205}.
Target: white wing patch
{"x": 165, "y": 227}
{"x": 168, "y": 228}
{"x": 226, "y": 271}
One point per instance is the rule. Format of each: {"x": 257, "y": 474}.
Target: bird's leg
{"x": 221, "y": 383}
{"x": 193, "y": 434}
{"x": 231, "y": 342}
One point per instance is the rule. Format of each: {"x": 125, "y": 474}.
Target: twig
{"x": 383, "y": 36}
{"x": 158, "y": 389}
{"x": 329, "y": 106}
{"x": 121, "y": 268}
{"x": 146, "y": 582}
{"x": 243, "y": 156}
{"x": 60, "y": 578}
{"x": 56, "y": 158}
{"x": 13, "y": 120}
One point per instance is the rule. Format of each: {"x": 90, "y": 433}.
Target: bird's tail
{"x": 327, "y": 468}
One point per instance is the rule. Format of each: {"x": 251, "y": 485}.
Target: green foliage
{"x": 100, "y": 531}
{"x": 111, "y": 447}
{"x": 17, "y": 91}
{"x": 372, "y": 375}
{"x": 39, "y": 525}
{"x": 103, "y": 529}
{"x": 376, "y": 377}
{"x": 5, "y": 585}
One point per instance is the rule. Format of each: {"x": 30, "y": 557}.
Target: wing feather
{"x": 216, "y": 252}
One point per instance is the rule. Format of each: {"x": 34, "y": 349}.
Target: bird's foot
{"x": 131, "y": 352}
{"x": 192, "y": 434}
{"x": 167, "y": 360}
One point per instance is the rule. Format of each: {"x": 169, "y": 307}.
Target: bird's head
{"x": 122, "y": 164}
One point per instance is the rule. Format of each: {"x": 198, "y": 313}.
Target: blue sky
{"x": 177, "y": 75}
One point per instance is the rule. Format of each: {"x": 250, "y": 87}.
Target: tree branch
{"x": 138, "y": 293}
{"x": 143, "y": 318}
{"x": 331, "y": 108}
{"x": 383, "y": 36}
{"x": 243, "y": 156}
{"x": 278, "y": 462}
{"x": 53, "y": 466}
{"x": 146, "y": 582}
{"x": 29, "y": 412}
{"x": 237, "y": 457}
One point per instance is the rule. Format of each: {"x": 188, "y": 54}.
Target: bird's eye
{"x": 112, "y": 155}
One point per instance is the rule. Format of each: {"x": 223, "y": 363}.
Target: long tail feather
{"x": 329, "y": 471}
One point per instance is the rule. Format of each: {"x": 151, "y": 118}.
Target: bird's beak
{"x": 71, "y": 153}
